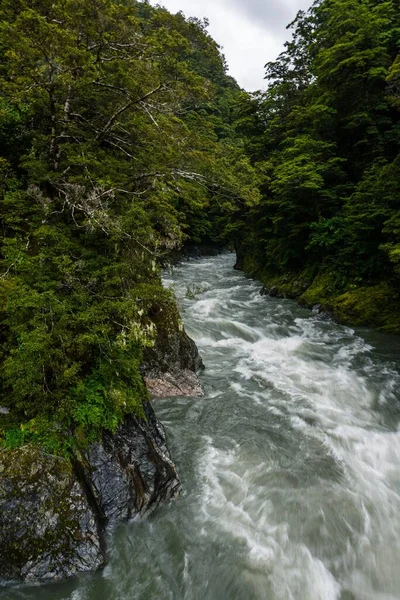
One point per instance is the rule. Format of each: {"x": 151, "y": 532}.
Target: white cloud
{"x": 251, "y": 32}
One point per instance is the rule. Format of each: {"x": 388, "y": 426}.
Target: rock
{"x": 130, "y": 472}
{"x": 48, "y": 530}
{"x": 169, "y": 368}
{"x": 169, "y": 385}
{"x": 239, "y": 264}
{"x": 270, "y": 291}
{"x": 54, "y": 514}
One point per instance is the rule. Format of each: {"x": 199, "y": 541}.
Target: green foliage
{"x": 118, "y": 145}
{"x": 325, "y": 138}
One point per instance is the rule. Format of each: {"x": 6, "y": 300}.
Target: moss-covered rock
{"x": 170, "y": 366}
{"x": 48, "y": 530}
{"x": 54, "y": 512}
{"x": 321, "y": 289}
{"x": 376, "y": 306}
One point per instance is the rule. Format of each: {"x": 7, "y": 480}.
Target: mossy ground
{"x": 375, "y": 306}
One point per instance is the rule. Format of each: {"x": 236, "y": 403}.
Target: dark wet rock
{"x": 130, "y": 472}
{"x": 169, "y": 368}
{"x": 239, "y": 264}
{"x": 48, "y": 530}
{"x": 271, "y": 291}
{"x": 54, "y": 514}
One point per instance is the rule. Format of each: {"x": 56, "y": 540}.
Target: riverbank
{"x": 375, "y": 306}
{"x": 57, "y": 512}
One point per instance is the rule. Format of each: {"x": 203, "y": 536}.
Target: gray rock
{"x": 170, "y": 367}
{"x": 48, "y": 531}
{"x": 130, "y": 472}
{"x": 179, "y": 383}
{"x": 54, "y": 514}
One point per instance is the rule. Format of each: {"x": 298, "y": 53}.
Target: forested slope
{"x": 326, "y": 139}
{"x": 117, "y": 145}
{"x": 122, "y": 138}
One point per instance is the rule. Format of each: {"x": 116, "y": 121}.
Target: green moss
{"x": 28, "y": 471}
{"x": 321, "y": 289}
{"x": 47, "y": 528}
{"x": 376, "y": 306}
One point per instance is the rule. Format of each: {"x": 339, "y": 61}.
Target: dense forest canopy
{"x": 326, "y": 138}
{"x": 118, "y": 145}
{"x": 122, "y": 138}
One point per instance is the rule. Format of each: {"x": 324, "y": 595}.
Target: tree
{"x": 113, "y": 155}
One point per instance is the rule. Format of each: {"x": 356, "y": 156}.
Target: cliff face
{"x": 55, "y": 513}
{"x": 170, "y": 366}
{"x": 129, "y": 472}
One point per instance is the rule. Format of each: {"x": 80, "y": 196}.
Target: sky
{"x": 251, "y": 32}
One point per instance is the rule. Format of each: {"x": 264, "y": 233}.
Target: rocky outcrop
{"x": 54, "y": 514}
{"x": 130, "y": 471}
{"x": 48, "y": 530}
{"x": 170, "y": 366}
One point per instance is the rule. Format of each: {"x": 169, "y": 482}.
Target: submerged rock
{"x": 48, "y": 530}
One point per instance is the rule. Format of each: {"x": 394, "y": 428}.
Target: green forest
{"x": 123, "y": 139}
{"x": 118, "y": 146}
{"x": 325, "y": 139}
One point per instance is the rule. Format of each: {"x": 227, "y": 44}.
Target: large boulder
{"x": 130, "y": 472}
{"x": 54, "y": 513}
{"x": 48, "y": 530}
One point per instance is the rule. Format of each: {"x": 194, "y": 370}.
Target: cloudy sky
{"x": 251, "y": 32}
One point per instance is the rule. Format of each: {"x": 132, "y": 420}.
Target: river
{"x": 290, "y": 462}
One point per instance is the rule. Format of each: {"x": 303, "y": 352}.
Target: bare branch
{"x": 114, "y": 88}
{"x": 143, "y": 105}
{"x": 124, "y": 108}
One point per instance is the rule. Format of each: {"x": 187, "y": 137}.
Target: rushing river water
{"x": 290, "y": 463}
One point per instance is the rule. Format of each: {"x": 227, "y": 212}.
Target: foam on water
{"x": 236, "y": 507}
{"x": 313, "y": 366}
